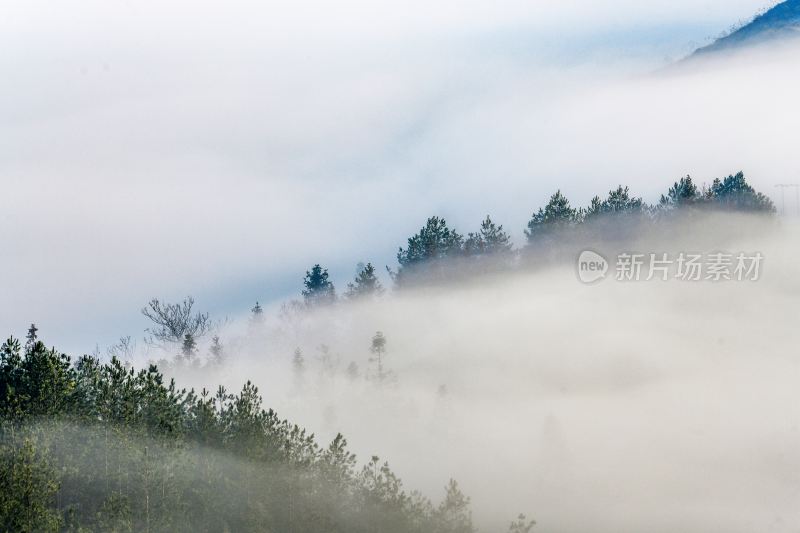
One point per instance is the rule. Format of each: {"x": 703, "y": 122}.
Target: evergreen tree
{"x": 28, "y": 486}
{"x": 454, "y": 513}
{"x": 257, "y": 316}
{"x": 378, "y": 350}
{"x": 318, "y": 290}
{"x": 189, "y": 347}
{"x": 521, "y": 525}
{"x": 30, "y": 338}
{"x": 490, "y": 239}
{"x": 298, "y": 366}
{"x": 217, "y": 351}
{"x": 426, "y": 250}
{"x": 365, "y": 284}
{"x": 683, "y": 193}
{"x": 735, "y": 194}
{"x": 618, "y": 202}
{"x": 548, "y": 223}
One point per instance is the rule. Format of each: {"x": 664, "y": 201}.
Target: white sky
{"x": 220, "y": 149}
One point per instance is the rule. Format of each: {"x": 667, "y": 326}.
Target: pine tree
{"x": 426, "y": 250}
{"x": 521, "y": 525}
{"x": 366, "y": 283}
{"x": 31, "y": 337}
{"x": 189, "y": 347}
{"x": 547, "y": 224}
{"x": 257, "y": 317}
{"x": 28, "y": 486}
{"x": 378, "y": 350}
{"x": 735, "y": 194}
{"x": 683, "y": 193}
{"x": 217, "y": 351}
{"x": 489, "y": 239}
{"x": 454, "y": 513}
{"x": 298, "y": 366}
{"x": 619, "y": 202}
{"x": 318, "y": 289}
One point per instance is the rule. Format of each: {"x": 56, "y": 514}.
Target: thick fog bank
{"x": 612, "y": 407}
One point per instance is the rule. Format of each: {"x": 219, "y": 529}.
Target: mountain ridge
{"x": 780, "y": 22}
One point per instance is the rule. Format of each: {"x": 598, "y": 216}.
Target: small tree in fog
{"x": 217, "y": 351}
{"x": 378, "y": 350}
{"x": 365, "y": 284}
{"x": 318, "y": 289}
{"x": 352, "y": 371}
{"x": 521, "y": 525}
{"x": 257, "y": 316}
{"x": 490, "y": 239}
{"x": 188, "y": 347}
{"x": 172, "y": 322}
{"x": 454, "y": 513}
{"x": 328, "y": 361}
{"x": 298, "y": 366}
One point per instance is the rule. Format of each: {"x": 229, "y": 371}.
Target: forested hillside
{"x": 94, "y": 444}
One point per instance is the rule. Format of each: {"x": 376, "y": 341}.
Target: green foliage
{"x": 490, "y": 239}
{"x": 549, "y": 222}
{"x": 735, "y": 194}
{"x": 732, "y": 194}
{"x": 619, "y": 202}
{"x": 683, "y": 193}
{"x": 95, "y": 446}
{"x": 318, "y": 289}
{"x": 27, "y": 490}
{"x": 366, "y": 283}
{"x": 427, "y": 250}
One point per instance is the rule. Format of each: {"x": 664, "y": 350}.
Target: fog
{"x": 618, "y": 406}
{"x": 186, "y": 148}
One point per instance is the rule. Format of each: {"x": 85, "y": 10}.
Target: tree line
{"x": 93, "y": 446}
{"x": 440, "y": 253}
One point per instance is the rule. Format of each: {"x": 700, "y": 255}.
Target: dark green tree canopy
{"x": 618, "y": 202}
{"x": 556, "y": 216}
{"x": 318, "y": 289}
{"x": 735, "y": 194}
{"x": 426, "y": 250}
{"x": 683, "y": 193}
{"x": 490, "y": 239}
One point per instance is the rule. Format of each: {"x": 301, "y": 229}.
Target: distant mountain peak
{"x": 780, "y": 22}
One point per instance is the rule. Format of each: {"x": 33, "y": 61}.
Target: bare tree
{"x": 172, "y": 322}
{"x": 123, "y": 350}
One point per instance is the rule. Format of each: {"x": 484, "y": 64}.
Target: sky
{"x": 160, "y": 150}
